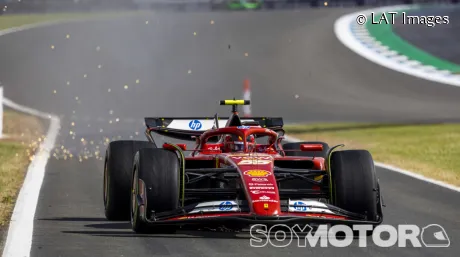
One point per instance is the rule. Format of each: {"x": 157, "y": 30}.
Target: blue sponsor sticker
{"x": 225, "y": 206}
{"x": 300, "y": 206}
{"x": 195, "y": 124}
{"x": 243, "y": 127}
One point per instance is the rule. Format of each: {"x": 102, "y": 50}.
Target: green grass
{"x": 431, "y": 150}
{"x": 23, "y": 136}
{"x": 14, "y": 161}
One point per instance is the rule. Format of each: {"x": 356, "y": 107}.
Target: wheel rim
{"x": 106, "y": 184}
{"x": 134, "y": 190}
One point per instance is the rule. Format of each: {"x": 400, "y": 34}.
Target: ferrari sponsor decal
{"x": 308, "y": 206}
{"x": 259, "y": 179}
{"x": 195, "y": 125}
{"x": 264, "y": 197}
{"x": 225, "y": 206}
{"x": 256, "y": 192}
{"x": 250, "y": 157}
{"x": 213, "y": 148}
{"x": 300, "y": 206}
{"x": 260, "y": 184}
{"x": 268, "y": 200}
{"x": 265, "y": 205}
{"x": 199, "y": 217}
{"x": 252, "y": 160}
{"x": 257, "y": 173}
{"x": 216, "y": 206}
{"x": 262, "y": 188}
{"x": 238, "y": 155}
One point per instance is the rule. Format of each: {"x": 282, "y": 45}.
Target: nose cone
{"x": 271, "y": 208}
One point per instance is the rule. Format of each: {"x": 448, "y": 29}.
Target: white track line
{"x": 19, "y": 240}
{"x": 353, "y": 36}
{"x": 399, "y": 170}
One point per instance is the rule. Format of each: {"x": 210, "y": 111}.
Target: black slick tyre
{"x": 117, "y": 177}
{"x": 296, "y": 146}
{"x": 155, "y": 188}
{"x": 355, "y": 184}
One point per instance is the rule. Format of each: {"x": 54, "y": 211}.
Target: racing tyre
{"x": 118, "y": 167}
{"x": 155, "y": 188}
{"x": 355, "y": 185}
{"x": 296, "y": 146}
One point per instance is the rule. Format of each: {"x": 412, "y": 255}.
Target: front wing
{"x": 223, "y": 212}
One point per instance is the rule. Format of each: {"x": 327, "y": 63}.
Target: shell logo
{"x": 257, "y": 173}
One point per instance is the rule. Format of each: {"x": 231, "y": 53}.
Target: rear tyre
{"x": 117, "y": 177}
{"x": 155, "y": 188}
{"x": 355, "y": 184}
{"x": 296, "y": 146}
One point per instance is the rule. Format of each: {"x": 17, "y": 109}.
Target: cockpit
{"x": 232, "y": 140}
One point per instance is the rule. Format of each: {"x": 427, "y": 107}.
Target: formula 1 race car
{"x": 239, "y": 172}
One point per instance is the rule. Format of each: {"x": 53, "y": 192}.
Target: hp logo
{"x": 195, "y": 124}
{"x": 225, "y": 206}
{"x": 300, "y": 206}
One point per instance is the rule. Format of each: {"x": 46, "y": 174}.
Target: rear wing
{"x": 187, "y": 127}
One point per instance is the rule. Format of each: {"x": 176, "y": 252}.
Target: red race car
{"x": 238, "y": 173}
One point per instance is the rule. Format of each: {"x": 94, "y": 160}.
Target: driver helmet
{"x": 238, "y": 144}
{"x": 228, "y": 142}
{"x": 251, "y": 142}
{"x": 233, "y": 144}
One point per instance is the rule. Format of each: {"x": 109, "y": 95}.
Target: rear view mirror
{"x": 311, "y": 147}
{"x": 171, "y": 147}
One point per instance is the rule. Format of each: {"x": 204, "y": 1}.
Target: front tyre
{"x": 355, "y": 185}
{"x": 117, "y": 177}
{"x": 155, "y": 188}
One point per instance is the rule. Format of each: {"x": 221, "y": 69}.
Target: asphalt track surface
{"x": 439, "y": 40}
{"x": 289, "y": 53}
